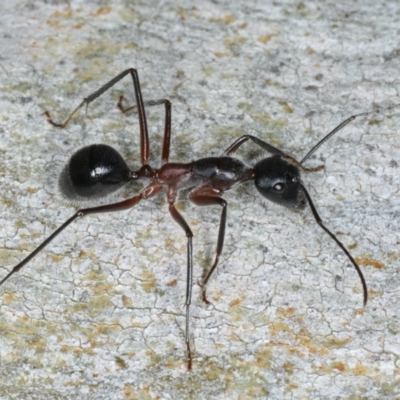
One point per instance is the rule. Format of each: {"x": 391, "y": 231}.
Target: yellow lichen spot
{"x": 8, "y": 298}
{"x": 65, "y": 13}
{"x": 265, "y": 38}
{"x": 334, "y": 342}
{"x": 181, "y": 12}
{"x": 226, "y": 19}
{"x": 82, "y": 254}
{"x": 180, "y": 206}
{"x": 291, "y": 387}
{"x": 129, "y": 391}
{"x": 102, "y": 287}
{"x": 35, "y": 235}
{"x": 359, "y": 370}
{"x": 374, "y": 293}
{"x": 280, "y": 326}
{"x": 217, "y": 295}
{"x": 288, "y": 367}
{"x": 79, "y": 307}
{"x": 169, "y": 243}
{"x": 120, "y": 362}
{"x": 56, "y": 258}
{"x": 295, "y": 352}
{"x": 286, "y": 312}
{"x": 286, "y": 107}
{"x": 234, "y": 303}
{"x": 374, "y": 121}
{"x": 263, "y": 358}
{"x": 339, "y": 365}
{"x": 235, "y": 40}
{"x": 8, "y": 202}
{"x": 214, "y": 372}
{"x": 94, "y": 275}
{"x": 235, "y": 311}
{"x": 154, "y": 359}
{"x": 32, "y": 190}
{"x": 220, "y": 54}
{"x": 18, "y": 225}
{"x": 149, "y": 281}
{"x": 126, "y": 301}
{"x": 102, "y": 11}
{"x": 353, "y": 245}
{"x": 64, "y": 349}
{"x": 365, "y": 261}
{"x": 105, "y": 329}
{"x": 38, "y": 344}
{"x": 99, "y": 303}
{"x": 208, "y": 71}
{"x": 305, "y": 341}
{"x": 318, "y": 350}
{"x": 310, "y": 50}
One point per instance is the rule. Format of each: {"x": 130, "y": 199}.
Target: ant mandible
{"x": 98, "y": 170}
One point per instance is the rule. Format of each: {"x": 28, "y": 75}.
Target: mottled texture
{"x": 99, "y": 314}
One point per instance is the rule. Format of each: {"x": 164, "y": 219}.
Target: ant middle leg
{"x": 167, "y": 126}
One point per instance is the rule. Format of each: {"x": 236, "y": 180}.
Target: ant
{"x": 98, "y": 170}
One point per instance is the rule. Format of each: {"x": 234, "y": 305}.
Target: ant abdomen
{"x": 93, "y": 172}
{"x": 276, "y": 179}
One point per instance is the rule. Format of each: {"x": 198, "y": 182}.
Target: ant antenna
{"x": 342, "y": 125}
{"x": 338, "y": 242}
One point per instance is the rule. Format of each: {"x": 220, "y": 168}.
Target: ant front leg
{"x": 272, "y": 150}
{"x": 264, "y": 145}
{"x": 206, "y": 196}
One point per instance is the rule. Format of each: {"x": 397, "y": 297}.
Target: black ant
{"x": 98, "y": 170}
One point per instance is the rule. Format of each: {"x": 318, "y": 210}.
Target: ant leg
{"x": 144, "y": 135}
{"x": 147, "y": 103}
{"x": 205, "y": 196}
{"x": 167, "y": 127}
{"x": 148, "y": 192}
{"x": 189, "y": 279}
{"x": 274, "y": 151}
{"x": 264, "y": 145}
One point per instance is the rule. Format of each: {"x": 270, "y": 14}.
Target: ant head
{"x": 93, "y": 172}
{"x": 276, "y": 180}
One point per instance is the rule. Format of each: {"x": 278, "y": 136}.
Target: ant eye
{"x": 279, "y": 187}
